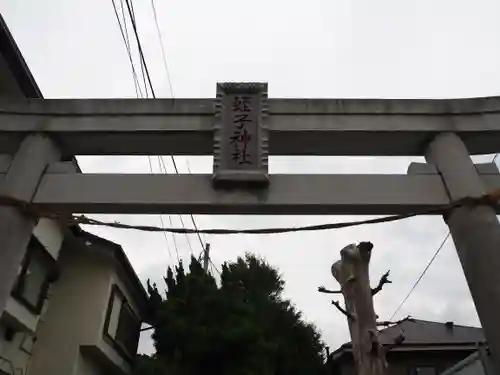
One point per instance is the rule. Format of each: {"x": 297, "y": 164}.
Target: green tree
{"x": 145, "y": 365}
{"x": 242, "y": 327}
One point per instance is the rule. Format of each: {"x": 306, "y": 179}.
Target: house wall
{"x": 87, "y": 366}
{"x": 403, "y": 363}
{"x": 19, "y": 316}
{"x": 16, "y": 352}
{"x": 74, "y": 317}
{"x": 475, "y": 368}
{"x": 50, "y": 235}
{"x": 77, "y": 316}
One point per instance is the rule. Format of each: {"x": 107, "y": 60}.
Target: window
{"x": 122, "y": 326}
{"x": 37, "y": 271}
{"x": 424, "y": 370}
{"x": 128, "y": 329}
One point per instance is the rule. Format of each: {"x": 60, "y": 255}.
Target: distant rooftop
{"x": 426, "y": 333}
{"x": 418, "y": 332}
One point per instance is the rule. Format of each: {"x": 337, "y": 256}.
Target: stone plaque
{"x": 240, "y": 133}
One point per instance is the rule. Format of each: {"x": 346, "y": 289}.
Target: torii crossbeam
{"x": 296, "y": 127}
{"x": 241, "y": 127}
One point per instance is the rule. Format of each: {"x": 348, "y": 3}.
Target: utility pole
{"x": 206, "y": 257}
{"x": 351, "y": 271}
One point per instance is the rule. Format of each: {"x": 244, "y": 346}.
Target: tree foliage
{"x": 244, "y": 326}
{"x": 145, "y": 365}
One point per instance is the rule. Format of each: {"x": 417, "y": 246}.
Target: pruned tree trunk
{"x": 352, "y": 274}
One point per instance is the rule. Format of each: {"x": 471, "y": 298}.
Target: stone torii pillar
{"x": 21, "y": 182}
{"x": 475, "y": 232}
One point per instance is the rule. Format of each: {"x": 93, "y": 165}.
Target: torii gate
{"x": 241, "y": 127}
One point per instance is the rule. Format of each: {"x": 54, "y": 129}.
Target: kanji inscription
{"x": 240, "y": 133}
{"x": 243, "y": 131}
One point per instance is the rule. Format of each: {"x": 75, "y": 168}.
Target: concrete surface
{"x": 296, "y": 126}
{"x": 287, "y": 194}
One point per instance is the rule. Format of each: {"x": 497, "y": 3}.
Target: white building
{"x": 77, "y": 304}
{"x": 21, "y": 317}
{"x": 93, "y": 320}
{"x": 76, "y": 308}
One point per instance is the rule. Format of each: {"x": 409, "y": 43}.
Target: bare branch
{"x": 376, "y": 348}
{"x": 400, "y": 338}
{"x": 335, "y": 269}
{"x": 397, "y": 341}
{"x": 322, "y": 289}
{"x": 385, "y": 323}
{"x": 389, "y": 323}
{"x": 342, "y": 310}
{"x": 383, "y": 280}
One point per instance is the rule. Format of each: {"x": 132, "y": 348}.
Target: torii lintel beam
{"x": 296, "y": 126}
{"x": 62, "y": 191}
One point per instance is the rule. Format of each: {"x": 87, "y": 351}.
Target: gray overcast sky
{"x": 314, "y": 48}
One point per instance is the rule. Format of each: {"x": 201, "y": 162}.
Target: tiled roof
{"x": 419, "y": 332}
{"x": 422, "y": 332}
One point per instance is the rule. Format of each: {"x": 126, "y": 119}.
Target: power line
{"x": 139, "y": 46}
{"x": 421, "y": 276}
{"x": 191, "y": 215}
{"x": 127, "y": 46}
{"x": 200, "y": 254}
{"x": 215, "y": 267}
{"x": 162, "y": 223}
{"x": 166, "y": 241}
{"x": 163, "y": 54}
{"x": 132, "y": 19}
{"x": 124, "y": 18}
{"x": 162, "y": 163}
{"x": 427, "y": 266}
{"x": 131, "y": 12}
{"x": 171, "y": 224}
{"x": 141, "y": 54}
{"x": 169, "y": 79}
{"x": 127, "y": 41}
{"x": 145, "y": 68}
{"x": 138, "y": 91}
